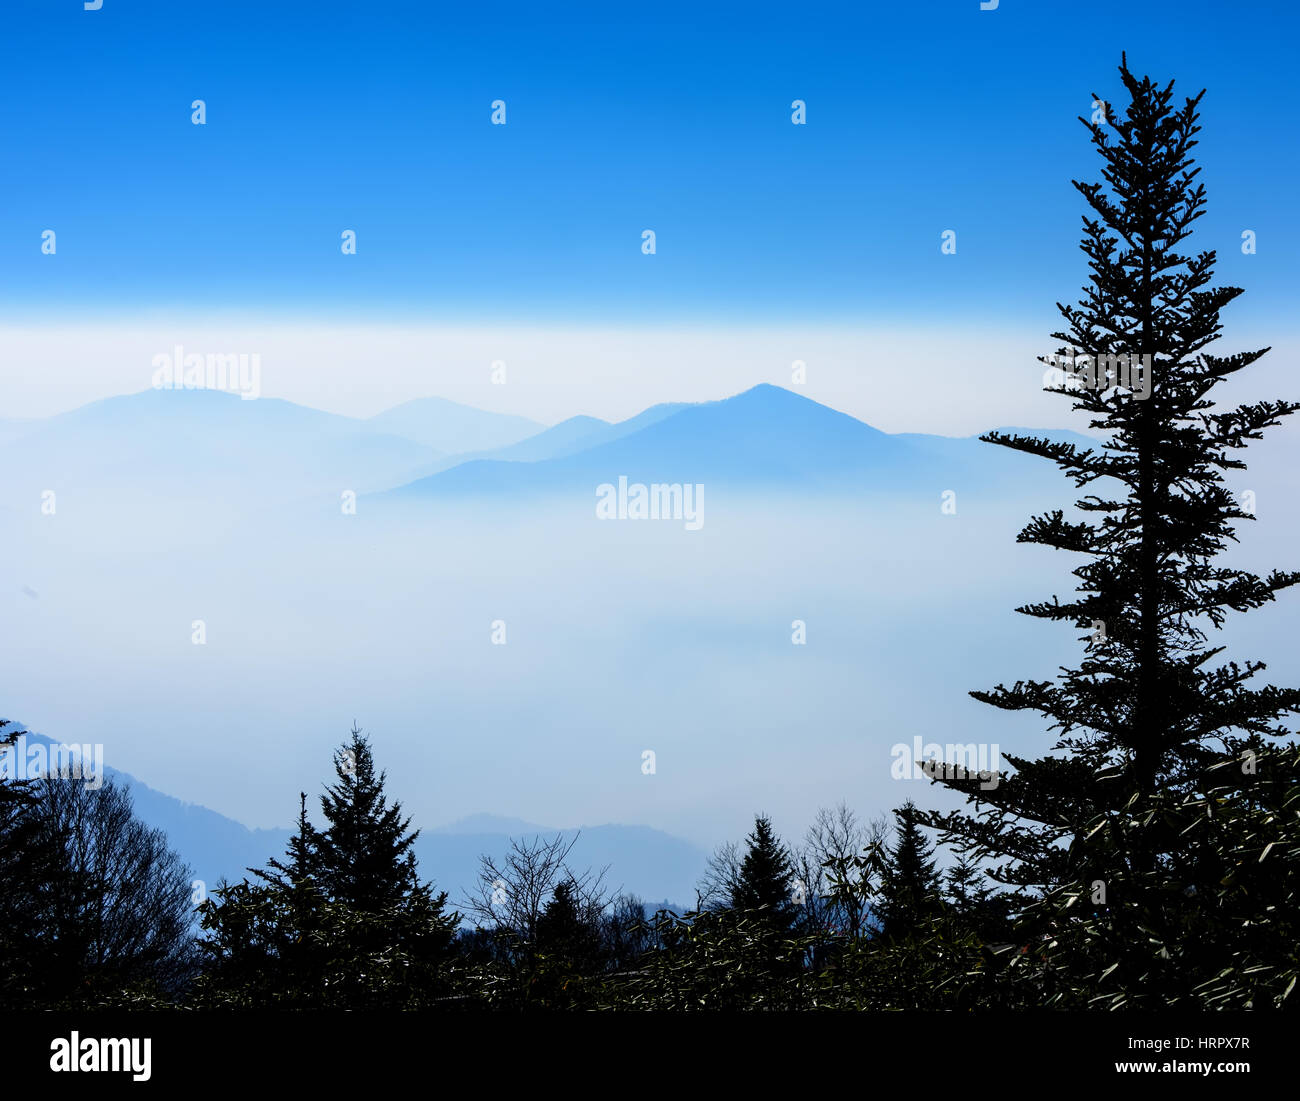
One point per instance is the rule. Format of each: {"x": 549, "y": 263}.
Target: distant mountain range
{"x": 211, "y": 444}
{"x": 646, "y": 862}
{"x": 764, "y": 437}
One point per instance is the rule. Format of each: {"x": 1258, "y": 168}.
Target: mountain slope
{"x": 574, "y": 434}
{"x": 190, "y": 441}
{"x": 647, "y": 862}
{"x": 565, "y": 438}
{"x": 214, "y": 846}
{"x": 766, "y": 435}
{"x": 452, "y": 428}
{"x": 569, "y": 437}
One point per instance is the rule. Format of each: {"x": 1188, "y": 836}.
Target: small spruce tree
{"x": 364, "y": 855}
{"x": 317, "y": 933}
{"x": 765, "y": 876}
{"x": 909, "y": 883}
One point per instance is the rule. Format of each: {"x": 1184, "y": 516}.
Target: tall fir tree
{"x": 364, "y": 855}
{"x": 342, "y": 921}
{"x": 765, "y": 878}
{"x": 1145, "y": 720}
{"x": 909, "y": 882}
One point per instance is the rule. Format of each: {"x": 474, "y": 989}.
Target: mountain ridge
{"x": 648, "y": 861}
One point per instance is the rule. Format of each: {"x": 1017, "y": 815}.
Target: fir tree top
{"x": 364, "y": 855}
{"x": 765, "y": 873}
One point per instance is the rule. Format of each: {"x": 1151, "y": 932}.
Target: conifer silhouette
{"x": 1150, "y": 709}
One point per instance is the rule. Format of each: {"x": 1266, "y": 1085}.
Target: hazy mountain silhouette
{"x": 569, "y": 437}
{"x": 188, "y": 441}
{"x": 766, "y": 436}
{"x": 492, "y": 823}
{"x": 450, "y": 427}
{"x": 213, "y": 845}
{"x": 205, "y": 444}
{"x": 647, "y": 862}
{"x": 574, "y": 434}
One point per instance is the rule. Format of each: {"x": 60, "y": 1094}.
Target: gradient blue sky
{"x": 676, "y": 117}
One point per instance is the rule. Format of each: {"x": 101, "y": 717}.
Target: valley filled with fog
{"x": 509, "y": 652}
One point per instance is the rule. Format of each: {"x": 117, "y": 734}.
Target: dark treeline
{"x": 1150, "y": 858}
{"x": 97, "y": 913}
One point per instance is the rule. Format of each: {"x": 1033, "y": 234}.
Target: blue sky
{"x": 375, "y": 117}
